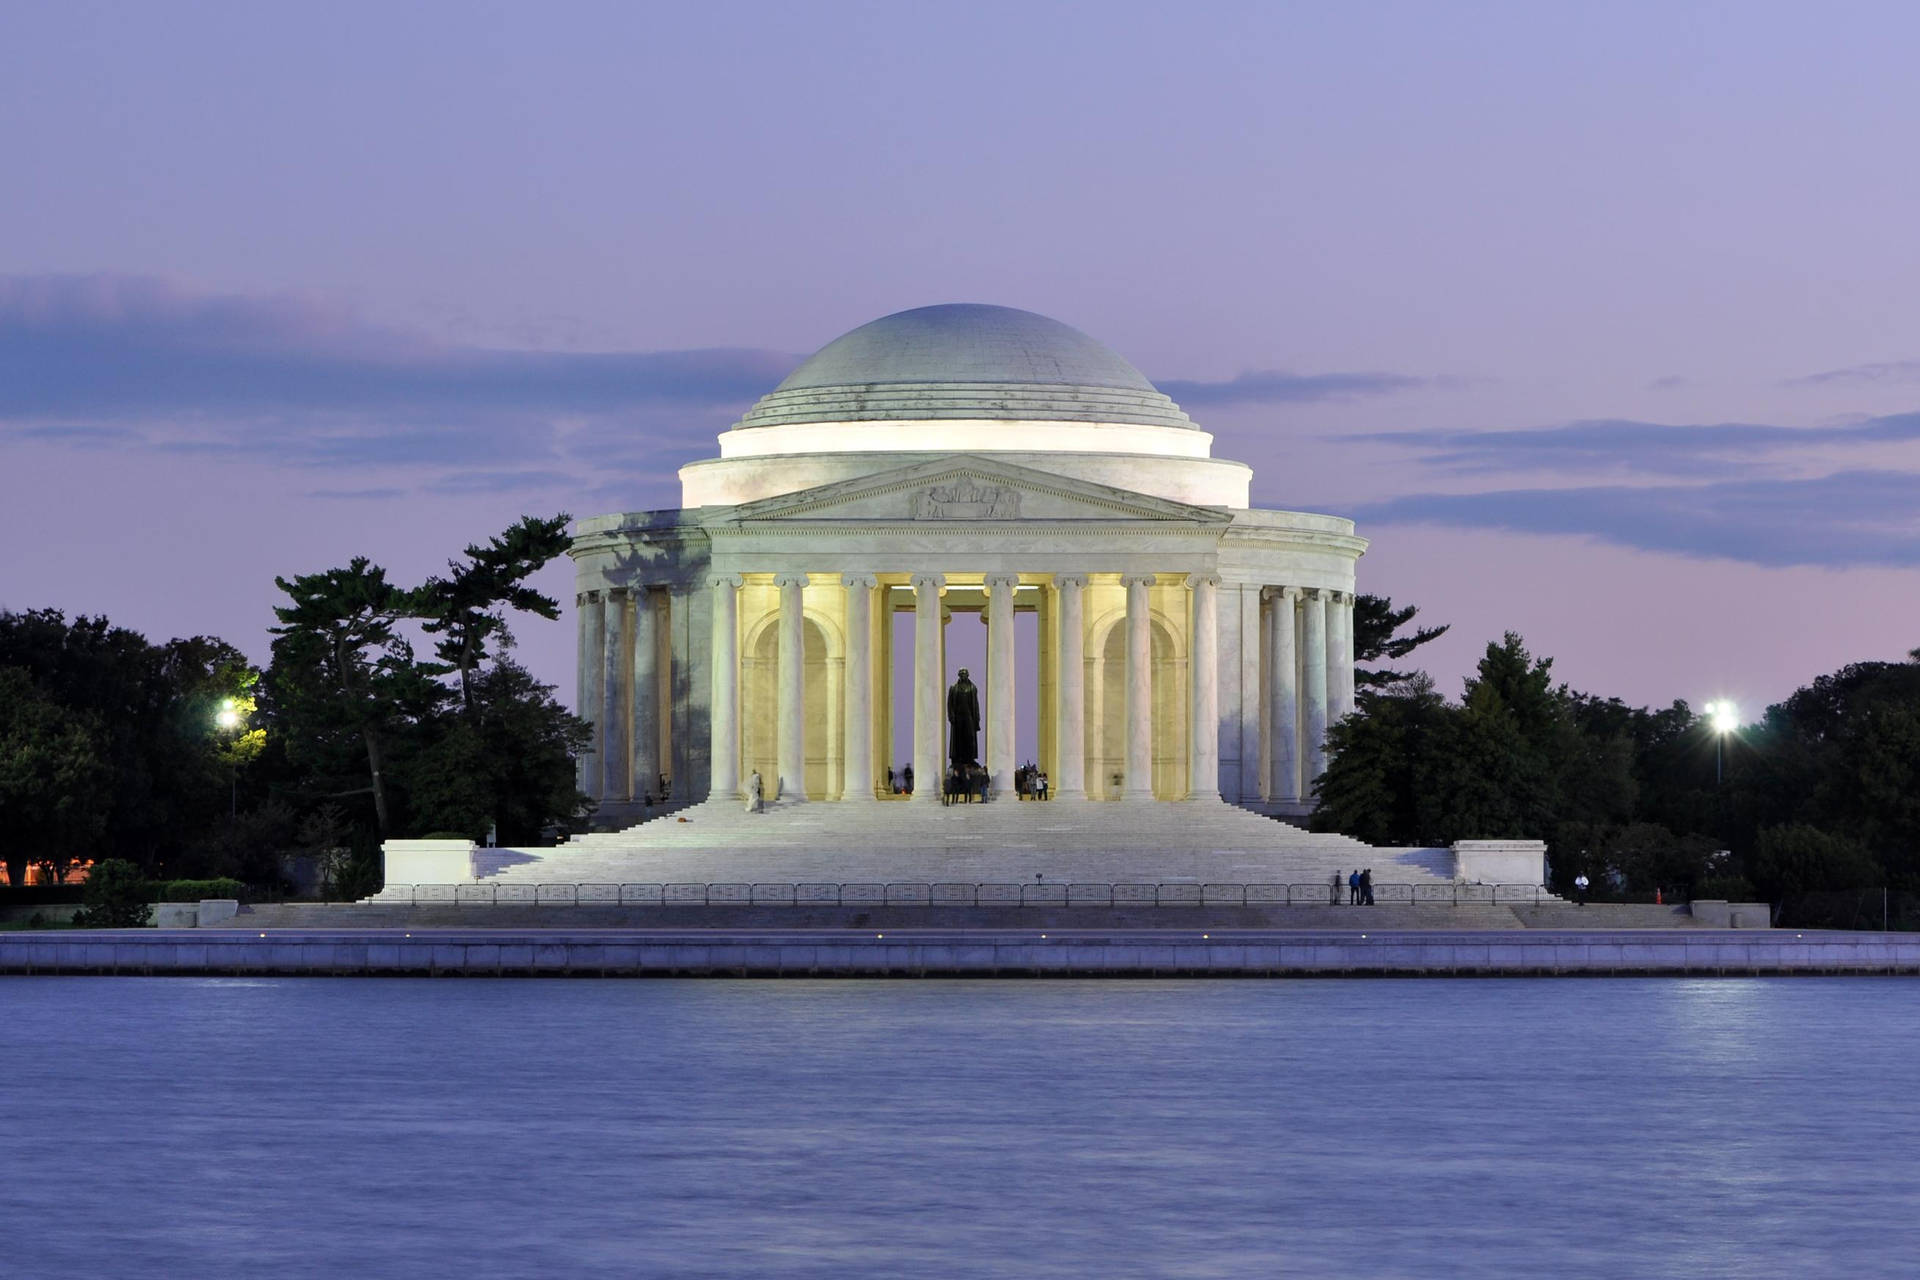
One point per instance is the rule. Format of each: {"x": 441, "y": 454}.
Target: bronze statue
{"x": 963, "y": 722}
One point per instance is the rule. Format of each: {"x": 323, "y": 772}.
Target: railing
{"x": 1039, "y": 894}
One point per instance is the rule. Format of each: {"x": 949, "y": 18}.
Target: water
{"x": 1609, "y": 1128}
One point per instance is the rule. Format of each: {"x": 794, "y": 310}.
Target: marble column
{"x": 1314, "y": 647}
{"x": 1000, "y": 682}
{"x": 615, "y": 767}
{"x": 856, "y": 760}
{"x": 593, "y": 683}
{"x": 791, "y": 744}
{"x": 646, "y": 696}
{"x": 1203, "y": 672}
{"x": 1283, "y": 711}
{"x": 929, "y": 771}
{"x": 1253, "y": 710}
{"x": 1344, "y": 655}
{"x": 1137, "y": 782}
{"x": 1070, "y": 690}
{"x": 724, "y": 707}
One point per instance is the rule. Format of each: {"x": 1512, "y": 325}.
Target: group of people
{"x": 1030, "y": 782}
{"x": 1359, "y": 888}
{"x": 900, "y": 781}
{"x": 965, "y": 784}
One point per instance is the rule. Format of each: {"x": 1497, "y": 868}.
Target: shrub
{"x": 116, "y": 897}
{"x": 194, "y": 890}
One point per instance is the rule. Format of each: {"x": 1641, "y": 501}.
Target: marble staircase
{"x": 1006, "y": 841}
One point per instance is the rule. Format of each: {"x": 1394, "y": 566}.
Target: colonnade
{"x": 624, "y": 667}
{"x": 1067, "y": 686}
{"x": 1307, "y": 678}
{"x": 1304, "y": 671}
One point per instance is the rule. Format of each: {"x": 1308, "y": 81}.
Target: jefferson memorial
{"x": 745, "y": 659}
{"x": 949, "y": 461}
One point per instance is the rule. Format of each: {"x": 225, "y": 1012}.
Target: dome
{"x": 968, "y": 361}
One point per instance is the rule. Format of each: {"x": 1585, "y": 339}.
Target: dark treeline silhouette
{"x": 187, "y": 762}
{"x": 1821, "y": 794}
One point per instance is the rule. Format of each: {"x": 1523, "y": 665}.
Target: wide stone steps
{"x": 1006, "y": 841}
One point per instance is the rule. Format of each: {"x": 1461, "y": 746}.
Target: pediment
{"x": 971, "y": 489}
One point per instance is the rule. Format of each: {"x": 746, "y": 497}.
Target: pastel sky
{"x": 1604, "y": 320}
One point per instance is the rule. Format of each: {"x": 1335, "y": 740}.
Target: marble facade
{"x": 949, "y": 462}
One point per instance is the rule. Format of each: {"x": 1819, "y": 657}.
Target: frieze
{"x": 966, "y": 500}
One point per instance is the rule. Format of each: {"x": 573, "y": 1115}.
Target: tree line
{"x": 1821, "y": 794}
{"x": 187, "y": 761}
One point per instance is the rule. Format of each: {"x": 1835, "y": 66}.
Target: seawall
{"x": 958, "y": 953}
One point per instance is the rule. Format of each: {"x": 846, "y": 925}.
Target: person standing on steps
{"x": 1338, "y": 880}
{"x": 753, "y": 792}
{"x": 1366, "y": 886}
{"x": 1353, "y": 888}
{"x": 1580, "y": 889}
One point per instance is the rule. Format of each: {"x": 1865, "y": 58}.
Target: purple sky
{"x": 1601, "y": 319}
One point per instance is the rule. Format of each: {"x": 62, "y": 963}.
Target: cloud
{"x": 1847, "y": 519}
{"x": 118, "y": 361}
{"x": 1884, "y": 372}
{"x": 1270, "y": 386}
{"x": 1646, "y": 447}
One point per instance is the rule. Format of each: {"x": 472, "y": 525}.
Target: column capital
{"x": 1280, "y": 593}
{"x": 1138, "y": 579}
{"x": 1198, "y": 580}
{"x": 937, "y": 581}
{"x": 1077, "y": 581}
{"x": 858, "y": 581}
{"x": 1009, "y": 581}
{"x": 733, "y": 580}
{"x": 789, "y": 578}
{"x": 592, "y": 597}
{"x": 616, "y": 594}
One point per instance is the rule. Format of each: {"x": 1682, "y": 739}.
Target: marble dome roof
{"x": 965, "y": 360}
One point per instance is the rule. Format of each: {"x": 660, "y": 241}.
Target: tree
{"x": 1376, "y": 637}
{"x": 465, "y": 608}
{"x": 1378, "y": 764}
{"x": 51, "y": 780}
{"x": 149, "y": 711}
{"x": 116, "y": 897}
{"x": 1791, "y": 860}
{"x": 510, "y": 763}
{"x": 342, "y": 674}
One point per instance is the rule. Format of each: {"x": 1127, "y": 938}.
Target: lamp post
{"x": 1723, "y": 717}
{"x": 228, "y": 718}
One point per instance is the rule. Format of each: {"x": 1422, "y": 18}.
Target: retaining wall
{"x": 971, "y": 953}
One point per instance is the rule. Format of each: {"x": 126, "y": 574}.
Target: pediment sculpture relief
{"x": 965, "y": 499}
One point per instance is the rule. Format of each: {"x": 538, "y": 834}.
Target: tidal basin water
{"x": 376, "y": 1128}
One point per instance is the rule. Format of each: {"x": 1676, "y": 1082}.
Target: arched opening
{"x": 1107, "y": 709}
{"x": 822, "y": 675}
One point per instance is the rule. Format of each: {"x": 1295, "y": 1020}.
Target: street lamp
{"x": 228, "y": 718}
{"x": 1723, "y": 718}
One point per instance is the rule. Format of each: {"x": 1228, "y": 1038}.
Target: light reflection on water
{"x": 1034, "y": 1129}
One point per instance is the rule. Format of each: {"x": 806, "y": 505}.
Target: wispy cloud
{"x": 1847, "y": 519}
{"x": 119, "y": 361}
{"x": 1895, "y": 371}
{"x": 1645, "y": 447}
{"x": 1271, "y": 386}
